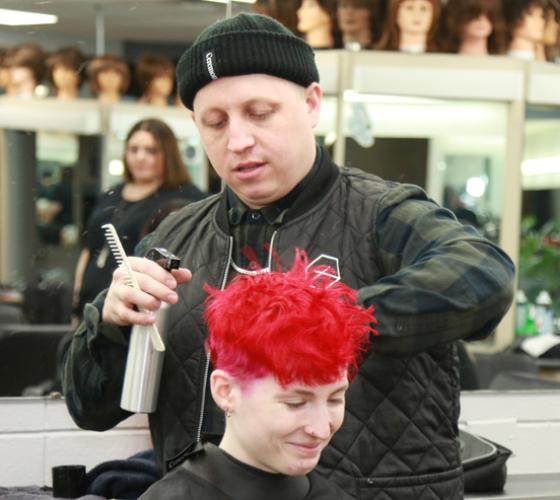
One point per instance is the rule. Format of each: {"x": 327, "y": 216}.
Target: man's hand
{"x": 156, "y": 285}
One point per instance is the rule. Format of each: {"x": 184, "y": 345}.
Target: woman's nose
{"x": 319, "y": 423}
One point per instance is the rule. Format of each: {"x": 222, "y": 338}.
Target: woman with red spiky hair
{"x": 283, "y": 347}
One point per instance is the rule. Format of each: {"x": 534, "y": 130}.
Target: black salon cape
{"x": 232, "y": 480}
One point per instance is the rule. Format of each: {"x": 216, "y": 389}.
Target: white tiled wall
{"x": 37, "y": 433}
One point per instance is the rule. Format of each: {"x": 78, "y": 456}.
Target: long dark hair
{"x": 457, "y": 13}
{"x": 175, "y": 171}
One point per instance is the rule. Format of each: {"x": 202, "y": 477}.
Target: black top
{"x": 252, "y": 229}
{"x": 132, "y": 220}
{"x": 212, "y": 474}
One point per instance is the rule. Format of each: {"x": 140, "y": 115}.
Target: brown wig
{"x": 552, "y": 52}
{"x": 375, "y": 21}
{"x": 390, "y": 35}
{"x": 70, "y": 58}
{"x": 265, "y": 8}
{"x": 457, "y": 13}
{"x": 175, "y": 171}
{"x": 107, "y": 62}
{"x": 329, "y": 6}
{"x": 514, "y": 10}
{"x": 27, "y": 55}
{"x": 151, "y": 66}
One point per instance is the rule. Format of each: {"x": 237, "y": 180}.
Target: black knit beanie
{"x": 241, "y": 45}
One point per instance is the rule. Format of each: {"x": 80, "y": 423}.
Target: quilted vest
{"x": 398, "y": 440}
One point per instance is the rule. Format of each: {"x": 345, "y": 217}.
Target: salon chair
{"x": 28, "y": 356}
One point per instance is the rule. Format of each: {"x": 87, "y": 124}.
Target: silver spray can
{"x": 143, "y": 367}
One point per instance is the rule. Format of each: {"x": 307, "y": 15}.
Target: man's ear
{"x": 222, "y": 386}
{"x": 313, "y": 99}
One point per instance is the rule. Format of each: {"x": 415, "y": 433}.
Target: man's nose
{"x": 240, "y": 136}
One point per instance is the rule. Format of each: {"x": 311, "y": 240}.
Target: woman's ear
{"x": 222, "y": 386}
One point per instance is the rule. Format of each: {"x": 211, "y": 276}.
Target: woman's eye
{"x": 294, "y": 404}
{"x": 336, "y": 401}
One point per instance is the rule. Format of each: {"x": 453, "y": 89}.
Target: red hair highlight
{"x": 292, "y": 325}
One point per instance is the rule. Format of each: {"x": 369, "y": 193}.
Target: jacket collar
{"x": 299, "y": 200}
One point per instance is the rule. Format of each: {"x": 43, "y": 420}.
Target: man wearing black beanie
{"x": 253, "y": 90}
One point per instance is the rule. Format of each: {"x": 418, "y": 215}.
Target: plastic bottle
{"x": 530, "y": 327}
{"x": 544, "y": 317}
{"x": 521, "y": 312}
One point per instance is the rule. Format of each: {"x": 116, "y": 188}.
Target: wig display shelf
{"x": 81, "y": 117}
{"x": 543, "y": 84}
{"x": 331, "y": 69}
{"x": 439, "y": 76}
{"x": 122, "y": 116}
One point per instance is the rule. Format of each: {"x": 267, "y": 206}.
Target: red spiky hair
{"x": 291, "y": 325}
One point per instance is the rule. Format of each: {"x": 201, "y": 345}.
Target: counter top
{"x": 526, "y": 487}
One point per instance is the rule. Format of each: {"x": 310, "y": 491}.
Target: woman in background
{"x": 154, "y": 174}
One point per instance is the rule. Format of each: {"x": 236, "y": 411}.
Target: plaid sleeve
{"x": 441, "y": 280}
{"x": 93, "y": 371}
{"x": 94, "y": 365}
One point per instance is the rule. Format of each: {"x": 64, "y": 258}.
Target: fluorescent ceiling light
{"x": 540, "y": 166}
{"x": 24, "y": 18}
{"x": 226, "y": 1}
{"x": 353, "y": 96}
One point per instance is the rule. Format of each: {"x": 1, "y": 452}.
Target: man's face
{"x": 284, "y": 429}
{"x": 415, "y": 16}
{"x": 257, "y": 131}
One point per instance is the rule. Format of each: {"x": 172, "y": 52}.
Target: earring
{"x": 228, "y": 412}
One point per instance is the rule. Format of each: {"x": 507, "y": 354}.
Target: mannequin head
{"x": 283, "y": 346}
{"x": 26, "y": 63}
{"x": 109, "y": 77}
{"x": 65, "y": 72}
{"x": 410, "y": 25}
{"x": 4, "y": 72}
{"x": 473, "y": 27}
{"x": 356, "y": 20}
{"x": 265, "y": 8}
{"x": 155, "y": 75}
{"x": 317, "y": 23}
{"x": 524, "y": 26}
{"x": 551, "y": 37}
